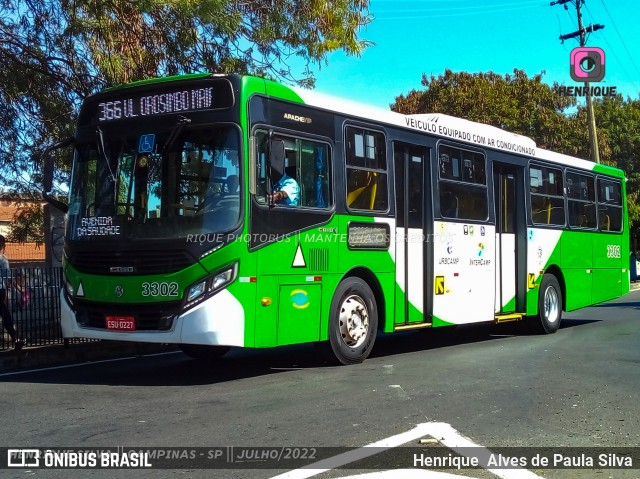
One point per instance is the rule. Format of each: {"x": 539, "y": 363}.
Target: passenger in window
{"x": 230, "y": 198}
{"x": 449, "y": 205}
{"x": 232, "y": 184}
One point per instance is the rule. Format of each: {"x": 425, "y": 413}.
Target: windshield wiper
{"x": 173, "y": 136}
{"x": 102, "y": 151}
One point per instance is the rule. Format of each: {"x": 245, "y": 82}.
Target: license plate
{"x": 121, "y": 323}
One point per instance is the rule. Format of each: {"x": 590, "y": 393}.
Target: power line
{"x": 620, "y": 36}
{"x": 447, "y": 15}
{"x": 467, "y": 7}
{"x": 612, "y": 50}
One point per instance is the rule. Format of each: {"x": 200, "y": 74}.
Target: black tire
{"x": 353, "y": 322}
{"x": 549, "y": 306}
{"x": 203, "y": 352}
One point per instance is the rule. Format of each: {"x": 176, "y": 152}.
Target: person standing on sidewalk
{"x": 5, "y": 314}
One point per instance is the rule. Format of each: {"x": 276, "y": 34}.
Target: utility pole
{"x": 582, "y": 33}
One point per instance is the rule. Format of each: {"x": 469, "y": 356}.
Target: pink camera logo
{"x": 587, "y": 64}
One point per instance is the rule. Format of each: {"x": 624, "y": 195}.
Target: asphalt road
{"x": 493, "y": 384}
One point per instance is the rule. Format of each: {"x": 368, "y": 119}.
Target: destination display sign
{"x": 167, "y": 99}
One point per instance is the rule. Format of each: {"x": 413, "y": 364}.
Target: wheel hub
{"x": 551, "y": 306}
{"x": 354, "y": 321}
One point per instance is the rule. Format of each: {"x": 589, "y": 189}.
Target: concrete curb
{"x": 58, "y": 354}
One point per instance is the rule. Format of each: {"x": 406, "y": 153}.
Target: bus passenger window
{"x": 449, "y": 204}
{"x": 581, "y": 200}
{"x": 546, "y": 195}
{"x": 366, "y": 170}
{"x": 609, "y": 205}
{"x": 462, "y": 185}
{"x": 304, "y": 176}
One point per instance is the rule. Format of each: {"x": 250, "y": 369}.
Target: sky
{"x": 429, "y": 36}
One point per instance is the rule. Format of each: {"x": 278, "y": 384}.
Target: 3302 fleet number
{"x": 162, "y": 288}
{"x": 613, "y": 251}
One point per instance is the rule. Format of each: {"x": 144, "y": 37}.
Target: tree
{"x": 515, "y": 103}
{"x": 53, "y": 53}
{"x": 618, "y": 123}
{"x": 528, "y": 106}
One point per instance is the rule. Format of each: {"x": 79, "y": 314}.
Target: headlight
{"x": 196, "y": 291}
{"x": 211, "y": 285}
{"x": 220, "y": 280}
{"x": 68, "y": 290}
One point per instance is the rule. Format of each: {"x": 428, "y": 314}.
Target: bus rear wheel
{"x": 203, "y": 352}
{"x": 549, "y": 305}
{"x": 353, "y": 322}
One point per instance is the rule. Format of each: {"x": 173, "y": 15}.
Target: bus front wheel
{"x": 549, "y": 305}
{"x": 203, "y": 352}
{"x": 353, "y": 322}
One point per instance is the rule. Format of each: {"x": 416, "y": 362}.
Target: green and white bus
{"x": 176, "y": 232}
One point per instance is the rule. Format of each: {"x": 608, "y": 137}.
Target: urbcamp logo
{"x": 449, "y": 248}
{"x": 586, "y": 65}
{"x": 480, "y": 249}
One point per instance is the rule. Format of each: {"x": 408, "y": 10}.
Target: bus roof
{"x": 152, "y": 81}
{"x": 438, "y": 124}
{"x": 458, "y": 129}
{"x": 435, "y": 123}
{"x": 577, "y": 162}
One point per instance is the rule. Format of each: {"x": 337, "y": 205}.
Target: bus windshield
{"x": 165, "y": 182}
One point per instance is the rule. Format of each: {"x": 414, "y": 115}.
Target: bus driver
{"x": 286, "y": 190}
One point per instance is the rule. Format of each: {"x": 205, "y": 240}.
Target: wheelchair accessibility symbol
{"x": 146, "y": 143}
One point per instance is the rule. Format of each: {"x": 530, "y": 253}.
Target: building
{"x": 22, "y": 253}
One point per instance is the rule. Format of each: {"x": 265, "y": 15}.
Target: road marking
{"x": 357, "y": 454}
{"x": 456, "y": 441}
{"x": 445, "y": 434}
{"x": 87, "y": 363}
{"x": 407, "y": 474}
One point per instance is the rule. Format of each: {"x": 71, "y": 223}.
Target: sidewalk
{"x": 58, "y": 354}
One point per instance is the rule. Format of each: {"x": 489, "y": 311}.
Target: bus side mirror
{"x": 47, "y": 171}
{"x": 276, "y": 157}
{"x": 275, "y": 166}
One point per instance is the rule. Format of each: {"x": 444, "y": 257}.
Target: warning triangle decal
{"x": 298, "y": 259}
{"x": 80, "y": 291}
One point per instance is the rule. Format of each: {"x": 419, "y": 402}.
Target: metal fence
{"x": 33, "y": 299}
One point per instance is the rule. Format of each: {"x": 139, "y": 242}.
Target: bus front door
{"x": 510, "y": 238}
{"x": 413, "y": 200}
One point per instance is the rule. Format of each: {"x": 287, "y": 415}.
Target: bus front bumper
{"x": 219, "y": 320}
